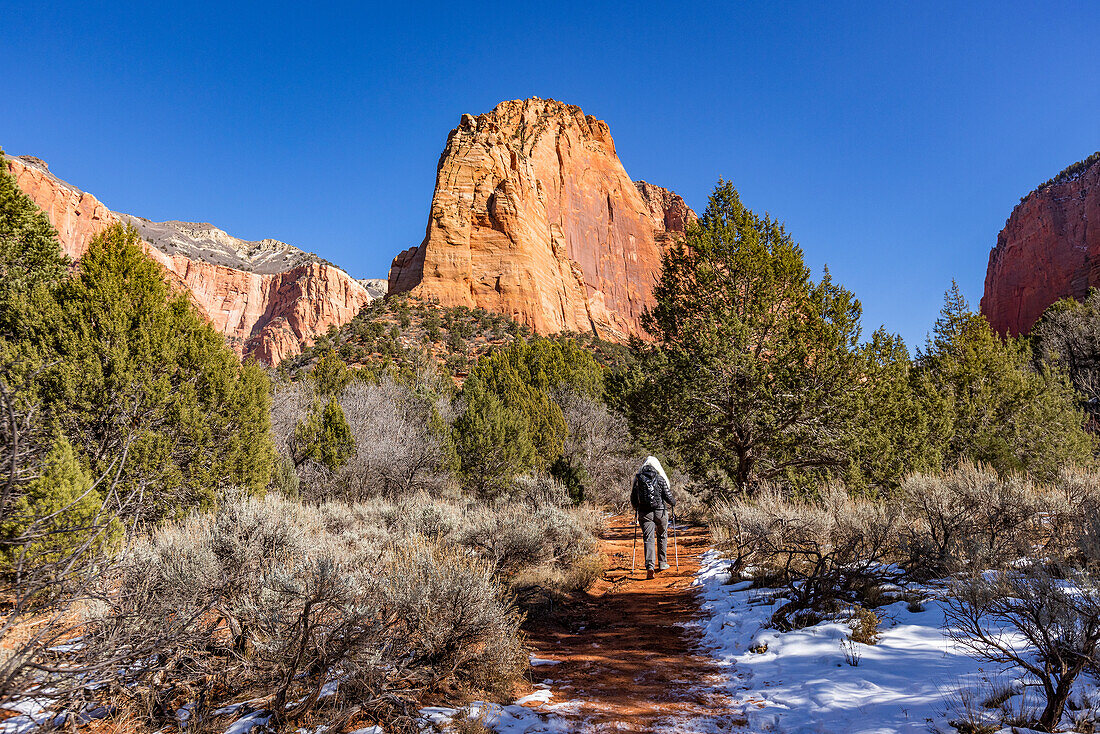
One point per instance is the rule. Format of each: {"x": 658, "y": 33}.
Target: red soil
{"x": 629, "y": 656}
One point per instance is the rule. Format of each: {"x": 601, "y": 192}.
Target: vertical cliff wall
{"x": 533, "y": 216}
{"x": 1049, "y": 249}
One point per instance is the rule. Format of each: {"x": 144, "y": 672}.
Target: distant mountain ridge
{"x": 533, "y": 217}
{"x": 202, "y": 241}
{"x": 268, "y": 298}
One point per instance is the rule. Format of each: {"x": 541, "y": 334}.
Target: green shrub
{"x": 56, "y": 514}
{"x": 324, "y": 437}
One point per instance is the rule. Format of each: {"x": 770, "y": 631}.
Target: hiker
{"x": 648, "y": 496}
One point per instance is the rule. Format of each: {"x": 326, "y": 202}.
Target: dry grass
{"x": 864, "y": 624}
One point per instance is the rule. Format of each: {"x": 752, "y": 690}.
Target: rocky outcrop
{"x": 667, "y": 210}
{"x": 268, "y": 298}
{"x": 76, "y": 215}
{"x": 1049, "y": 249}
{"x": 533, "y": 216}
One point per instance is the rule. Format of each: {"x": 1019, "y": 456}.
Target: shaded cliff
{"x": 1049, "y": 249}
{"x": 534, "y": 217}
{"x": 268, "y": 298}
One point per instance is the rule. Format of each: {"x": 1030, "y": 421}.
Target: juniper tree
{"x": 510, "y": 423}
{"x": 330, "y": 375}
{"x": 139, "y": 380}
{"x": 892, "y": 434}
{"x": 996, "y": 407}
{"x": 759, "y": 365}
{"x": 1068, "y": 337}
{"x": 324, "y": 436}
{"x": 30, "y": 256}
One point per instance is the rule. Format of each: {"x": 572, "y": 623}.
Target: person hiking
{"x": 649, "y": 495}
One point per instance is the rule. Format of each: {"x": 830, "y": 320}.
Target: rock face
{"x": 268, "y": 298}
{"x": 77, "y": 216}
{"x": 534, "y": 217}
{"x": 1048, "y": 250}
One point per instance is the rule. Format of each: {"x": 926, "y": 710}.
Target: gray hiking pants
{"x": 655, "y": 534}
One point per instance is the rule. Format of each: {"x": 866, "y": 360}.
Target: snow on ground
{"x": 543, "y": 661}
{"x": 530, "y": 714}
{"x": 802, "y": 682}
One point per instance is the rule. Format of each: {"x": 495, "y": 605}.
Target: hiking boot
{"x": 664, "y": 567}
{"x": 648, "y": 573}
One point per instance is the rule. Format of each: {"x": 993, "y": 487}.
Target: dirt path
{"x": 629, "y": 657}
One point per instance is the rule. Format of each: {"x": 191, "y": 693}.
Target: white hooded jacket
{"x": 644, "y": 494}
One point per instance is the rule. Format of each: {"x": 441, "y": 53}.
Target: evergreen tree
{"x": 30, "y": 257}
{"x": 145, "y": 387}
{"x": 493, "y": 441}
{"x": 56, "y": 514}
{"x": 893, "y": 433}
{"x": 330, "y": 375}
{"x": 1067, "y": 337}
{"x": 996, "y": 407}
{"x": 510, "y": 423}
{"x": 324, "y": 437}
{"x": 760, "y": 366}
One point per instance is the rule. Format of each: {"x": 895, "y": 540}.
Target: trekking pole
{"x": 635, "y": 556}
{"x": 675, "y": 544}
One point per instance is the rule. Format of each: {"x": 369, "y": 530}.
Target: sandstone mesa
{"x": 533, "y": 216}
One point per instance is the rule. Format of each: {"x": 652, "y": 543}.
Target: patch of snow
{"x": 543, "y": 661}
{"x": 248, "y": 723}
{"x": 530, "y": 714}
{"x": 800, "y": 681}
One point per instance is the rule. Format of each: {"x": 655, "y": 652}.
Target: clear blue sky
{"x": 892, "y": 138}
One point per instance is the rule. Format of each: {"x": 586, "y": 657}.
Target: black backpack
{"x": 648, "y": 490}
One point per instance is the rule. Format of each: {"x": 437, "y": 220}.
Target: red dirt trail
{"x": 629, "y": 655}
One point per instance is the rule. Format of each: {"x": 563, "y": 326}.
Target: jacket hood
{"x": 655, "y": 465}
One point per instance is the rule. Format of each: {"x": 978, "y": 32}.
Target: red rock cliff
{"x": 269, "y": 299}
{"x": 534, "y": 217}
{"x": 1048, "y": 250}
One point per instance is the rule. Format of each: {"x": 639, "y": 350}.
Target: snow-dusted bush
{"x": 275, "y": 596}
{"x": 829, "y": 554}
{"x": 1029, "y": 618}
